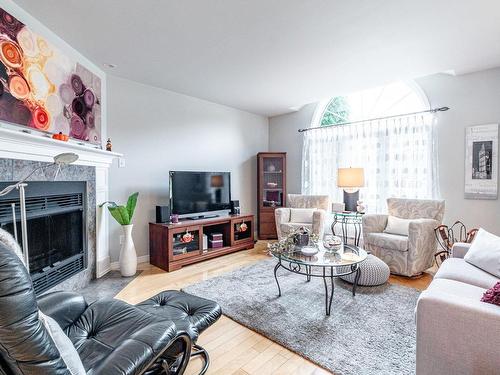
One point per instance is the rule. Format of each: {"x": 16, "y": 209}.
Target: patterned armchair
{"x": 406, "y": 255}
{"x": 307, "y": 211}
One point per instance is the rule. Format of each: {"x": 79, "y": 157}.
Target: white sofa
{"x": 306, "y": 211}
{"x": 457, "y": 334}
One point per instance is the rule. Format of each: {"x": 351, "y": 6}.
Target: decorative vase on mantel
{"x": 128, "y": 255}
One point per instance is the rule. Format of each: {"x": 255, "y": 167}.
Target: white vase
{"x": 128, "y": 256}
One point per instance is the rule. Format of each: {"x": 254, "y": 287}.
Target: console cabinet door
{"x": 242, "y": 230}
{"x": 185, "y": 242}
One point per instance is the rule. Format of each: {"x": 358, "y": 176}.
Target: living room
{"x": 232, "y": 187}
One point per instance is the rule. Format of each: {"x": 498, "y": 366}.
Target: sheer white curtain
{"x": 399, "y": 157}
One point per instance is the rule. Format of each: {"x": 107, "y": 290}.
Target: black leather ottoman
{"x": 190, "y": 313}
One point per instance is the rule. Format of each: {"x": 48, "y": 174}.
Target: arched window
{"x": 398, "y": 153}
{"x": 393, "y": 99}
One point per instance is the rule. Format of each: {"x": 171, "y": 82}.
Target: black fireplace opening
{"x": 56, "y": 229}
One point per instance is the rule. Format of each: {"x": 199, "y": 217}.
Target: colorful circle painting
{"x": 43, "y": 89}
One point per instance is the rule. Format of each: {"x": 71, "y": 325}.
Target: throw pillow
{"x": 397, "y": 225}
{"x": 492, "y": 295}
{"x": 484, "y": 252}
{"x": 301, "y": 215}
{"x": 66, "y": 349}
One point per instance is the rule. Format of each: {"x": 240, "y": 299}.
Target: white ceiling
{"x": 268, "y": 56}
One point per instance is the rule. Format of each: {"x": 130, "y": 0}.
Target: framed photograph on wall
{"x": 481, "y": 162}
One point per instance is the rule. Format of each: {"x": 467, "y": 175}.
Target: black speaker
{"x": 235, "y": 207}
{"x": 162, "y": 214}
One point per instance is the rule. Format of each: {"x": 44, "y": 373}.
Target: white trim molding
{"x": 17, "y": 144}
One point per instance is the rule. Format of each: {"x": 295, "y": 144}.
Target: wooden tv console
{"x": 169, "y": 251}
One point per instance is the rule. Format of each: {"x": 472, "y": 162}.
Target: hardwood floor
{"x": 233, "y": 348}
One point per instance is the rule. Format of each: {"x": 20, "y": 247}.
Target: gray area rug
{"x": 372, "y": 333}
{"x": 107, "y": 286}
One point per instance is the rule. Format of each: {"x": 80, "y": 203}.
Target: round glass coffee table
{"x": 325, "y": 264}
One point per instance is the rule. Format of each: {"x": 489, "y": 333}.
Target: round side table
{"x": 346, "y": 219}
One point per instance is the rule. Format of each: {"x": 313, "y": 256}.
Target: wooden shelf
{"x": 161, "y": 240}
{"x": 266, "y": 221}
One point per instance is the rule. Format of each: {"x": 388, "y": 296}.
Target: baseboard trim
{"x": 115, "y": 266}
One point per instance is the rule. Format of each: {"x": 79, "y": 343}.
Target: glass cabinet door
{"x": 272, "y": 184}
{"x": 186, "y": 242}
{"x": 242, "y": 229}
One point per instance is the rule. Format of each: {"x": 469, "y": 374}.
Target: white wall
{"x": 284, "y": 137}
{"x": 160, "y": 130}
{"x": 473, "y": 98}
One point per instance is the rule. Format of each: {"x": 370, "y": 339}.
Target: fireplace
{"x": 56, "y": 222}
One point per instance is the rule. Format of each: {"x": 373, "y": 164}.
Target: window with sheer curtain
{"x": 398, "y": 154}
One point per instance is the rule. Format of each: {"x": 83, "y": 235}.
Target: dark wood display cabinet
{"x": 172, "y": 246}
{"x": 271, "y": 190}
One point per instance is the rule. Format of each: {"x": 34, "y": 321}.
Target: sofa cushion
{"x": 397, "y": 225}
{"x": 459, "y": 290}
{"x": 301, "y": 215}
{"x": 388, "y": 241}
{"x": 485, "y": 252}
{"x": 459, "y": 270}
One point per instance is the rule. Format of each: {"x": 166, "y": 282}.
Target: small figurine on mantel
{"x": 109, "y": 146}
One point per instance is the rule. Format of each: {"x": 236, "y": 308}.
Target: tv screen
{"x": 199, "y": 192}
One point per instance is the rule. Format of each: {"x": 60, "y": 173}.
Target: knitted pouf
{"x": 373, "y": 272}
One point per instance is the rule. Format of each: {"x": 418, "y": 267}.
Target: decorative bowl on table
{"x": 309, "y": 251}
{"x": 332, "y": 244}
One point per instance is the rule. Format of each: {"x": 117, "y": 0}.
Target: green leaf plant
{"x": 123, "y": 214}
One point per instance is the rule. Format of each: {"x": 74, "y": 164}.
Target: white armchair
{"x": 405, "y": 255}
{"x": 308, "y": 211}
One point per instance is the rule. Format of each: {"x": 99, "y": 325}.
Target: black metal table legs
{"x": 278, "y": 265}
{"x": 344, "y": 223}
{"x": 328, "y": 299}
{"x": 356, "y": 280}
{"x": 328, "y": 281}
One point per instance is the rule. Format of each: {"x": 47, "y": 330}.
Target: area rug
{"x": 371, "y": 333}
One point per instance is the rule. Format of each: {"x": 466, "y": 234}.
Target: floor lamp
{"x": 59, "y": 161}
{"x": 351, "y": 179}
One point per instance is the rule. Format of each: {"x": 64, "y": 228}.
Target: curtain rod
{"x": 432, "y": 110}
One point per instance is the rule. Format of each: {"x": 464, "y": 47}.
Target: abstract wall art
{"x": 41, "y": 88}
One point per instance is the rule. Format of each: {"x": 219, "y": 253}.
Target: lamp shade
{"x": 216, "y": 181}
{"x": 350, "y": 177}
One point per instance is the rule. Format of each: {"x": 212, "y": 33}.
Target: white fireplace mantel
{"x": 16, "y": 144}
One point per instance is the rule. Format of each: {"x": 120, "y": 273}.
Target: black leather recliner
{"x": 111, "y": 336}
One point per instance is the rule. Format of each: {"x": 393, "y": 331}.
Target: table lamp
{"x": 350, "y": 179}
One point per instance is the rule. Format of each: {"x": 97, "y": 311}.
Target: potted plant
{"x": 123, "y": 215}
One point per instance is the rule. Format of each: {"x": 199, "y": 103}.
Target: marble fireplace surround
{"x": 20, "y": 152}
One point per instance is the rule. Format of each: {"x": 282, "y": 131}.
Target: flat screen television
{"x": 199, "y": 194}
